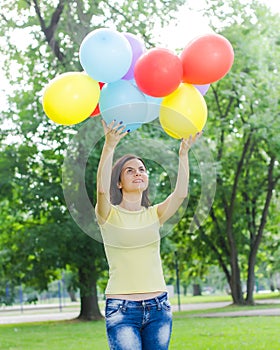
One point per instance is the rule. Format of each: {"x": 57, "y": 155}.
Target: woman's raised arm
{"x": 171, "y": 204}
{"x": 114, "y": 132}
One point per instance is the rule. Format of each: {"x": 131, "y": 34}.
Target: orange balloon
{"x": 206, "y": 59}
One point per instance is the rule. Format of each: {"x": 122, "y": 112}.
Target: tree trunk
{"x": 196, "y": 290}
{"x": 257, "y": 239}
{"x": 235, "y": 281}
{"x": 251, "y": 278}
{"x": 89, "y": 300}
{"x": 89, "y": 309}
{"x": 72, "y": 296}
{"x": 50, "y": 31}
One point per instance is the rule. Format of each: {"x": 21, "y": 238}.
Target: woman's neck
{"x": 132, "y": 204}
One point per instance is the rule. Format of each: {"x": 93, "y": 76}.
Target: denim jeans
{"x": 139, "y": 325}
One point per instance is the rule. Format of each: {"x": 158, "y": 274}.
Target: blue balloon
{"x": 105, "y": 55}
{"x": 153, "y": 104}
{"x": 123, "y": 101}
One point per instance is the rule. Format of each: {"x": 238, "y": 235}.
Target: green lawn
{"x": 188, "y": 333}
{"x": 226, "y": 333}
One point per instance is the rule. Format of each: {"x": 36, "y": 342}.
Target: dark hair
{"x": 115, "y": 191}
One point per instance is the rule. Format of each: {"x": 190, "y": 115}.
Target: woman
{"x": 138, "y": 313}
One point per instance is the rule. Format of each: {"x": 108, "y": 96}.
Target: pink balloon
{"x": 138, "y": 48}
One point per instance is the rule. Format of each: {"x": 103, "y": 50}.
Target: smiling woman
{"x": 129, "y": 174}
{"x": 137, "y": 311}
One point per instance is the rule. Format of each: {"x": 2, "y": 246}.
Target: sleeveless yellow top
{"x": 132, "y": 246}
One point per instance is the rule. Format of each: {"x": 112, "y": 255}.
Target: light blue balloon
{"x": 105, "y": 55}
{"x": 153, "y": 107}
{"x": 123, "y": 101}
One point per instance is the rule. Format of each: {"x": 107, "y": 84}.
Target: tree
{"x": 242, "y": 132}
{"x": 54, "y": 30}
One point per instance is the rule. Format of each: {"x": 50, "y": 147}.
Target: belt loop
{"x": 158, "y": 304}
{"x": 123, "y": 306}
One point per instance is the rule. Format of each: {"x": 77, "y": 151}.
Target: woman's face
{"x": 134, "y": 176}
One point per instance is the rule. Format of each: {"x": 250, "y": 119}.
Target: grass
{"x": 68, "y": 335}
{"x": 189, "y": 332}
{"x": 226, "y": 333}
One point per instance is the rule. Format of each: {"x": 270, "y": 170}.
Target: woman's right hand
{"x": 114, "y": 132}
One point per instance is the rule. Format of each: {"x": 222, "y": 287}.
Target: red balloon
{"x": 158, "y": 72}
{"x": 206, "y": 59}
{"x": 97, "y": 110}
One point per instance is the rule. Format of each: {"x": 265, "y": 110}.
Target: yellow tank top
{"x": 132, "y": 246}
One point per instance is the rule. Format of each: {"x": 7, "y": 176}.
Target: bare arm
{"x": 113, "y": 134}
{"x": 171, "y": 204}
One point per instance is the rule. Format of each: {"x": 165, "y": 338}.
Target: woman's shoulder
{"x": 153, "y": 207}
{"x": 102, "y": 220}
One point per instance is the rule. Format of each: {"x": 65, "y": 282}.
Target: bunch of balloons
{"x": 123, "y": 81}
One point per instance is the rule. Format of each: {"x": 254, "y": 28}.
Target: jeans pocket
{"x": 112, "y": 310}
{"x": 166, "y": 305}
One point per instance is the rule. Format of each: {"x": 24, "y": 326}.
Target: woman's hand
{"x": 114, "y": 132}
{"x": 186, "y": 144}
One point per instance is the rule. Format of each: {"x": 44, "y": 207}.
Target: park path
{"x": 56, "y": 314}
{"x": 240, "y": 313}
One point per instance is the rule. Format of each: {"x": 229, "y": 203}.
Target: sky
{"x": 189, "y": 25}
{"x": 273, "y": 4}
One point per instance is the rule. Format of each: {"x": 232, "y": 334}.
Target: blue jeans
{"x": 139, "y": 325}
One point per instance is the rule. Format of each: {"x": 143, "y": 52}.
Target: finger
{"x": 108, "y": 126}
{"x": 120, "y": 129}
{"x": 198, "y": 135}
{"x": 122, "y": 135}
{"x": 112, "y": 125}
{"x": 117, "y": 125}
{"x": 105, "y": 126}
{"x": 103, "y": 123}
{"x": 187, "y": 141}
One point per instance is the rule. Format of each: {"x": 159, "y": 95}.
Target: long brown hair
{"x": 115, "y": 191}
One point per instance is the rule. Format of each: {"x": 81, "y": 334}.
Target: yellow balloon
{"x": 70, "y": 98}
{"x": 183, "y": 112}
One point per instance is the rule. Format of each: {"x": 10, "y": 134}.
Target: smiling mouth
{"x": 138, "y": 181}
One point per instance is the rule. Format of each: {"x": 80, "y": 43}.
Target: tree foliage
{"x": 242, "y": 132}
{"x": 39, "y": 237}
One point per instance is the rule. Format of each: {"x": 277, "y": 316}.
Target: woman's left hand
{"x": 186, "y": 144}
